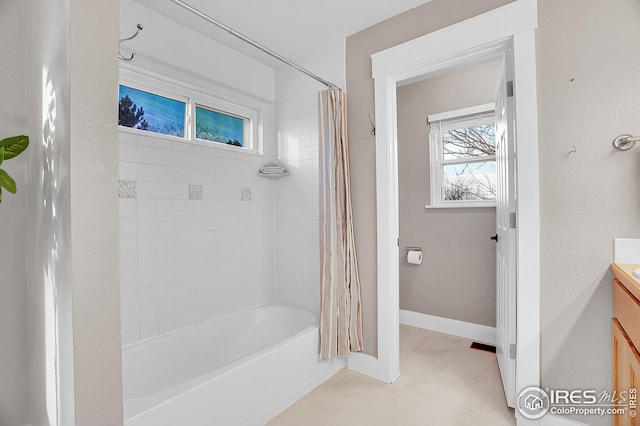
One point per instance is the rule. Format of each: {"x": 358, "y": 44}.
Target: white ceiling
{"x": 293, "y": 28}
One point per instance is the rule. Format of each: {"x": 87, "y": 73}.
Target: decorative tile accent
{"x": 128, "y": 189}
{"x": 195, "y": 192}
{"x": 245, "y": 194}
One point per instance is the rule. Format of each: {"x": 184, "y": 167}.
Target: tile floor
{"x": 443, "y": 382}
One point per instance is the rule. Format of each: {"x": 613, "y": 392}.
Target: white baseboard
{"x": 468, "y": 330}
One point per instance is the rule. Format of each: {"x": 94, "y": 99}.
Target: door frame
{"x": 472, "y": 41}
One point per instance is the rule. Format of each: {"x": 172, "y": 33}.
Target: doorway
{"x": 473, "y": 41}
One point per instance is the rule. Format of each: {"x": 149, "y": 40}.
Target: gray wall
{"x": 13, "y": 273}
{"x": 424, "y": 19}
{"x": 457, "y": 278}
{"x": 588, "y": 93}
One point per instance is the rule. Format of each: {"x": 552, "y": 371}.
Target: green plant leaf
{"x": 0, "y": 194}
{"x": 13, "y": 146}
{"x": 7, "y": 182}
{"x": 1, "y": 154}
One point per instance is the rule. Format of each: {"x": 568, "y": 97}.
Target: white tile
{"x": 180, "y": 256}
{"x": 128, "y": 152}
{"x": 128, "y": 244}
{"x": 164, "y": 241}
{"x": 164, "y": 208}
{"x": 163, "y": 157}
{"x": 180, "y": 191}
{"x": 148, "y": 329}
{"x": 146, "y": 154}
{"x": 148, "y": 313}
{"x": 128, "y": 225}
{"x": 164, "y": 224}
{"x": 128, "y": 207}
{"x": 128, "y": 262}
{"x": 180, "y": 240}
{"x": 164, "y": 191}
{"x": 180, "y": 207}
{"x": 128, "y": 280}
{"x": 164, "y": 274}
{"x": 127, "y": 170}
{"x": 129, "y": 317}
{"x": 164, "y": 257}
{"x": 146, "y": 189}
{"x": 130, "y": 335}
{"x": 148, "y": 295}
{"x": 164, "y": 174}
{"x": 180, "y": 223}
{"x": 146, "y": 172}
{"x": 180, "y": 175}
{"x": 180, "y": 159}
{"x": 146, "y": 207}
{"x": 147, "y": 277}
{"x": 146, "y": 225}
{"x": 146, "y": 242}
{"x": 147, "y": 260}
{"x": 129, "y": 299}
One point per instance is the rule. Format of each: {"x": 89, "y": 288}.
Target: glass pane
{"x": 154, "y": 113}
{"x": 469, "y": 181}
{"x": 215, "y": 126}
{"x": 474, "y": 141}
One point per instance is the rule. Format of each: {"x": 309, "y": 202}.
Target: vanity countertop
{"x": 624, "y": 273}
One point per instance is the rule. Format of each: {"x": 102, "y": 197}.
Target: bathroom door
{"x": 505, "y": 232}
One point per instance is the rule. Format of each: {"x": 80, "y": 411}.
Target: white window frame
{"x": 439, "y": 123}
{"x": 195, "y": 97}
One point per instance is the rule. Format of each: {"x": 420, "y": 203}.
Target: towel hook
{"x": 373, "y": 127}
{"x": 122, "y": 58}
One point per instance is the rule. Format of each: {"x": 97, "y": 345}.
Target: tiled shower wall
{"x": 197, "y": 234}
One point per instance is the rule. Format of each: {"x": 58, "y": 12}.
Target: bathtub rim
{"x": 238, "y": 312}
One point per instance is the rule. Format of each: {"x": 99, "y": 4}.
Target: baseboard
{"x": 468, "y": 330}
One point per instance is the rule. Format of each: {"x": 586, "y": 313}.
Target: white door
{"x": 505, "y": 232}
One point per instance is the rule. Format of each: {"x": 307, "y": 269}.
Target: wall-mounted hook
{"x": 373, "y": 127}
{"x": 573, "y": 149}
{"x": 129, "y": 59}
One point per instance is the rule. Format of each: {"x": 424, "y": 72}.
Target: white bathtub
{"x": 240, "y": 369}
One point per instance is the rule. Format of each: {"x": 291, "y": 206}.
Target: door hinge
{"x": 512, "y": 220}
{"x": 512, "y": 351}
{"x": 510, "y": 89}
{"x": 398, "y": 242}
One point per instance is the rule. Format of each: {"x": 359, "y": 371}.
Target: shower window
{"x": 217, "y": 126}
{"x": 151, "y": 112}
{"x": 168, "y": 109}
{"x": 463, "y": 158}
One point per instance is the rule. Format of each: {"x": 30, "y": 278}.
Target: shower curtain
{"x": 340, "y": 301}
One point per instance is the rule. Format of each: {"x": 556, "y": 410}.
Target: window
{"x": 463, "y": 158}
{"x": 150, "y": 105}
{"x": 216, "y": 126}
{"x": 154, "y": 113}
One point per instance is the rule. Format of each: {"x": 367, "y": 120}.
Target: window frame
{"x": 440, "y": 123}
{"x": 195, "y": 97}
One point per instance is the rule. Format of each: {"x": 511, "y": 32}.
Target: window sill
{"x": 479, "y": 204}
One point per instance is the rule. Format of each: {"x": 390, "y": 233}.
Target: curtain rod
{"x": 253, "y": 43}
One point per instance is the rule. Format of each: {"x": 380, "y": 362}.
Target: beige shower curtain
{"x": 340, "y": 302}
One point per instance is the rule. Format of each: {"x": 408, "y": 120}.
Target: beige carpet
{"x": 442, "y": 382}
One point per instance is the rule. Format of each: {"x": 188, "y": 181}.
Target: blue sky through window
{"x": 161, "y": 114}
{"x": 218, "y": 127}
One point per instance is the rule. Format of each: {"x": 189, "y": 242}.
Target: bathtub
{"x": 239, "y": 369}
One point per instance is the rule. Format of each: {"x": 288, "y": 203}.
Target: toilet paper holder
{"x": 408, "y": 249}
